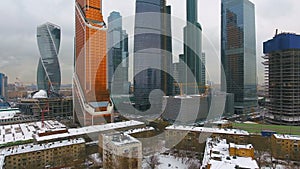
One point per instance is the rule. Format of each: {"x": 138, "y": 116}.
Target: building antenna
{"x": 276, "y": 32}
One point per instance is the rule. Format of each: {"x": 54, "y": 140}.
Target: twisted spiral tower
{"x": 48, "y": 72}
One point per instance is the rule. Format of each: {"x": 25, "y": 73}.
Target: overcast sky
{"x": 19, "y": 18}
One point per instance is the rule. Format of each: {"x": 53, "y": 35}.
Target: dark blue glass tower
{"x": 3, "y": 85}
{"x": 238, "y": 53}
{"x": 152, "y": 58}
{"x": 48, "y": 72}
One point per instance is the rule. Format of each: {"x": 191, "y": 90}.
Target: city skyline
{"x": 15, "y": 62}
{"x": 140, "y": 84}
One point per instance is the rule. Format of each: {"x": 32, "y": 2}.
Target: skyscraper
{"x": 193, "y": 84}
{"x": 167, "y": 80}
{"x": 117, "y": 47}
{"x": 152, "y": 58}
{"x": 48, "y": 71}
{"x": 3, "y": 85}
{"x": 92, "y": 104}
{"x": 203, "y": 69}
{"x": 238, "y": 53}
{"x": 282, "y": 54}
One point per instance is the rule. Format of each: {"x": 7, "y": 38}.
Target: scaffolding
{"x": 282, "y": 82}
{"x": 55, "y": 107}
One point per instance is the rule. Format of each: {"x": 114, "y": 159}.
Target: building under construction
{"x": 57, "y": 107}
{"x": 282, "y": 68}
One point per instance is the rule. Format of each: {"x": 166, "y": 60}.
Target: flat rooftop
{"x": 20, "y": 149}
{"x": 25, "y": 131}
{"x": 282, "y": 41}
{"x": 217, "y": 155}
{"x": 120, "y": 139}
{"x": 139, "y": 130}
{"x": 31, "y": 131}
{"x": 91, "y": 129}
{"x": 287, "y": 137}
{"x": 221, "y": 122}
{"x": 247, "y": 146}
{"x": 208, "y": 130}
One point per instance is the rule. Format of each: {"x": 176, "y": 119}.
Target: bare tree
{"x": 153, "y": 161}
{"x": 193, "y": 165}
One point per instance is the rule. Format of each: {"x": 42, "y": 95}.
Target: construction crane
{"x": 46, "y": 108}
{"x": 181, "y": 85}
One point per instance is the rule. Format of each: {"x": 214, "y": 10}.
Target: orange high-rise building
{"x": 92, "y": 104}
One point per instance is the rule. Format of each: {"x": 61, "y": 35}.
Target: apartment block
{"x": 121, "y": 151}
{"x": 193, "y": 138}
{"x": 286, "y": 147}
{"x": 241, "y": 150}
{"x": 219, "y": 154}
{"x": 58, "y": 107}
{"x": 54, "y": 154}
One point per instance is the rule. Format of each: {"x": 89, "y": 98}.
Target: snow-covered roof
{"x": 248, "y": 146}
{"x": 25, "y": 131}
{"x": 221, "y": 122}
{"x": 217, "y": 155}
{"x": 8, "y": 113}
{"x": 91, "y": 129}
{"x": 38, "y": 147}
{"x": 287, "y": 137}
{"x": 138, "y": 130}
{"x": 35, "y": 147}
{"x": 207, "y": 130}
{"x": 120, "y": 139}
{"x": 30, "y": 131}
{"x": 42, "y": 94}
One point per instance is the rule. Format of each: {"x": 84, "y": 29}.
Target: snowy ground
{"x": 268, "y": 163}
{"x": 171, "y": 162}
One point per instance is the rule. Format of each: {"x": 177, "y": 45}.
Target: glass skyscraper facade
{"x": 152, "y": 53}
{"x": 194, "y": 83}
{"x": 238, "y": 53}
{"x": 3, "y": 85}
{"x": 117, "y": 47}
{"x": 48, "y": 71}
{"x": 92, "y": 104}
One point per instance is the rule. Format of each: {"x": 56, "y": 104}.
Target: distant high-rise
{"x": 48, "y": 71}
{"x": 92, "y": 104}
{"x": 193, "y": 83}
{"x": 117, "y": 47}
{"x": 282, "y": 54}
{"x": 238, "y": 53}
{"x": 3, "y": 85}
{"x": 203, "y": 68}
{"x": 179, "y": 71}
{"x": 167, "y": 80}
{"x": 152, "y": 53}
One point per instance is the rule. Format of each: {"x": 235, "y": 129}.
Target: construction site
{"x": 50, "y": 108}
{"x": 282, "y": 70}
